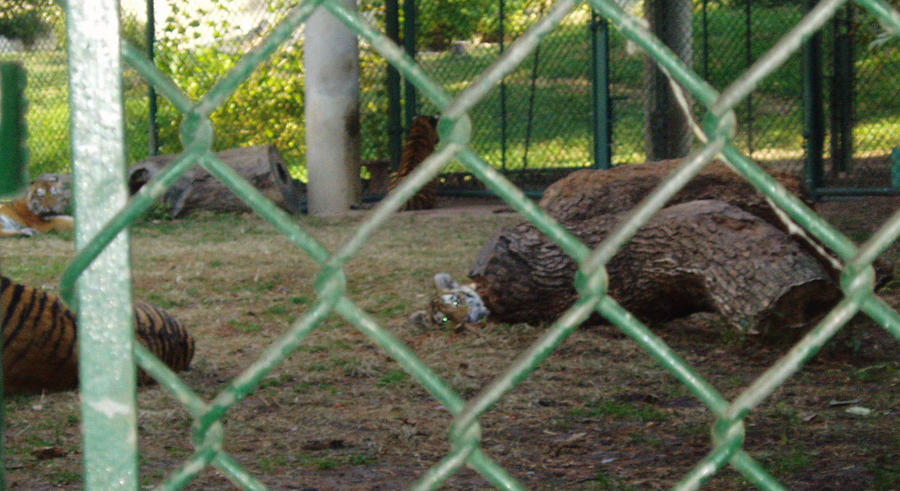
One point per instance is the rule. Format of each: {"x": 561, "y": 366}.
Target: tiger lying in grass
{"x": 453, "y": 306}
{"x": 42, "y": 209}
{"x": 39, "y": 339}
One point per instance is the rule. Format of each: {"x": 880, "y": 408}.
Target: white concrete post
{"x": 331, "y": 57}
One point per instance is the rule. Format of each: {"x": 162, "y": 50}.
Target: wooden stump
{"x": 263, "y": 166}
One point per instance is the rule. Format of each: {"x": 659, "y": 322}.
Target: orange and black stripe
{"x": 39, "y": 339}
{"x": 420, "y": 143}
{"x": 39, "y": 351}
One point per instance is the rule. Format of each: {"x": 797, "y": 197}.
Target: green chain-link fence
{"x": 101, "y": 266}
{"x": 547, "y": 116}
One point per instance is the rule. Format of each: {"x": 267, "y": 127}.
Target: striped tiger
{"x": 39, "y": 339}
{"x": 40, "y": 210}
{"x": 420, "y": 143}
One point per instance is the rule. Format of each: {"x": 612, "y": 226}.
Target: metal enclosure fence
{"x": 578, "y": 100}
{"x": 101, "y": 267}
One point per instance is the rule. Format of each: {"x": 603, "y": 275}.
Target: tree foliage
{"x": 23, "y": 20}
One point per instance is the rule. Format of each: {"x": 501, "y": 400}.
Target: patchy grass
{"x": 340, "y": 413}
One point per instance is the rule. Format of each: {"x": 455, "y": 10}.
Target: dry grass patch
{"x": 341, "y": 414}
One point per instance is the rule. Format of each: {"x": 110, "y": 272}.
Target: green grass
{"x": 393, "y": 377}
{"x": 561, "y": 110}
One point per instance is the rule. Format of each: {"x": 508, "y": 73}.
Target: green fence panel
{"x": 109, "y": 401}
{"x": 13, "y": 153}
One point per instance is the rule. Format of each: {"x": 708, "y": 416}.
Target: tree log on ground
{"x": 588, "y": 193}
{"x": 703, "y": 255}
{"x": 263, "y": 166}
{"x": 736, "y": 257}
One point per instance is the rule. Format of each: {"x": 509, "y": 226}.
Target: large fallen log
{"x": 263, "y": 166}
{"x": 588, "y": 193}
{"x": 703, "y": 255}
{"x": 685, "y": 259}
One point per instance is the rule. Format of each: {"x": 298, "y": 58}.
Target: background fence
{"x": 104, "y": 289}
{"x": 578, "y": 101}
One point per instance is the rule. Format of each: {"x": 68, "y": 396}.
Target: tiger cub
{"x": 453, "y": 306}
{"x": 39, "y": 339}
{"x": 420, "y": 143}
{"x": 42, "y": 209}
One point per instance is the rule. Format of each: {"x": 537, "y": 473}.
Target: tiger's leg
{"x": 57, "y": 222}
{"x": 12, "y": 228}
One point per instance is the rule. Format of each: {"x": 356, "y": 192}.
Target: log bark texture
{"x": 588, "y": 193}
{"x": 718, "y": 247}
{"x": 263, "y": 166}
{"x": 703, "y": 255}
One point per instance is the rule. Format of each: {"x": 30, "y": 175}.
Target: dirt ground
{"x": 340, "y": 414}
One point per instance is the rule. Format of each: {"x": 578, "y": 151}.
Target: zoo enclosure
{"x": 579, "y": 100}
{"x": 101, "y": 268}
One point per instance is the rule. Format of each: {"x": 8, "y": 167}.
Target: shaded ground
{"x": 340, "y": 413}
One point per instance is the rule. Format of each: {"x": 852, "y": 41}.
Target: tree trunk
{"x": 263, "y": 166}
{"x": 668, "y": 133}
{"x": 703, "y": 255}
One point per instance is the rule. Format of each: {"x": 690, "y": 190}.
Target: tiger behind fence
{"x": 420, "y": 143}
{"x": 42, "y": 209}
{"x": 453, "y": 306}
{"x": 39, "y": 339}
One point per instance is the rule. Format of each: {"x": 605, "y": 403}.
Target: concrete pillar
{"x": 331, "y": 57}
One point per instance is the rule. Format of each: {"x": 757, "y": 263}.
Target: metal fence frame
{"x": 101, "y": 269}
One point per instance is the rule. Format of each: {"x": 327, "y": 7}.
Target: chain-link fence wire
{"x": 731, "y": 36}
{"x": 542, "y": 114}
{"x": 862, "y": 109}
{"x": 39, "y": 44}
{"x": 108, "y": 399}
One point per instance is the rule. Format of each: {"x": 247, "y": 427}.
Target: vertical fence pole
{"x": 409, "y": 43}
{"x": 13, "y": 154}
{"x": 748, "y": 54}
{"x": 105, "y": 331}
{"x": 13, "y": 177}
{"x": 503, "y": 128}
{"x": 842, "y": 91}
{"x": 814, "y": 117}
{"x": 153, "y": 126}
{"x": 395, "y": 125}
{"x": 705, "y": 40}
{"x": 602, "y": 104}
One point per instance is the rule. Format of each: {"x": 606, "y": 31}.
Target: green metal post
{"x": 105, "y": 330}
{"x": 153, "y": 125}
{"x": 503, "y": 127}
{"x": 13, "y": 153}
{"x": 705, "y": 41}
{"x": 395, "y": 125}
{"x": 814, "y": 116}
{"x": 409, "y": 44}
{"x": 748, "y": 53}
{"x": 895, "y": 168}
{"x": 602, "y": 104}
{"x": 842, "y": 91}
{"x": 13, "y": 175}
